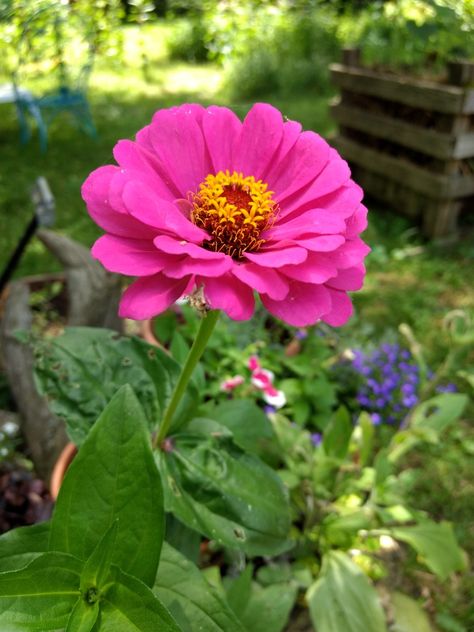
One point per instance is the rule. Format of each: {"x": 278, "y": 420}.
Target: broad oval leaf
{"x": 81, "y": 370}
{"x": 250, "y": 427}
{"x": 408, "y": 615}
{"x": 113, "y": 477}
{"x": 337, "y": 434}
{"x": 344, "y": 599}
{"x": 83, "y": 616}
{"x": 436, "y": 544}
{"x": 130, "y": 606}
{"x": 269, "y": 608}
{"x": 40, "y": 596}
{"x": 21, "y": 546}
{"x": 215, "y": 488}
{"x": 193, "y": 602}
{"x": 440, "y": 411}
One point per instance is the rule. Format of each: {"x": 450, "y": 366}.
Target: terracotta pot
{"x": 59, "y": 471}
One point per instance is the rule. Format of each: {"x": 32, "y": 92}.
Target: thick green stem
{"x": 205, "y": 330}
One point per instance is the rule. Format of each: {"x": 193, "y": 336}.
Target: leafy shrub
{"x": 412, "y": 34}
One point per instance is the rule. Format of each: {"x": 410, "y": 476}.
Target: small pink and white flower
{"x": 201, "y": 200}
{"x": 274, "y": 397}
{"x": 263, "y": 380}
{"x": 232, "y": 383}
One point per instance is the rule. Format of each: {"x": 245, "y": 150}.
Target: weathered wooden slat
{"x": 416, "y": 93}
{"x": 424, "y": 140}
{"x": 439, "y": 218}
{"x": 464, "y": 147}
{"x": 433, "y": 185}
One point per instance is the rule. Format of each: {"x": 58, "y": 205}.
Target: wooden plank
{"x": 464, "y": 147}
{"x": 438, "y": 218}
{"x": 420, "y": 94}
{"x": 433, "y": 185}
{"x": 395, "y": 130}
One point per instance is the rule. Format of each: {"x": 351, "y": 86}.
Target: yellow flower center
{"x": 234, "y": 210}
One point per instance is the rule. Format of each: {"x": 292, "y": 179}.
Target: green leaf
{"x": 193, "y": 602}
{"x": 97, "y": 567}
{"x": 269, "y": 608}
{"x": 40, "y": 596}
{"x": 114, "y": 476}
{"x": 439, "y": 412}
{"x": 428, "y": 420}
{"x": 367, "y": 438}
{"x": 83, "y": 616}
{"x": 408, "y": 616}
{"x": 187, "y": 541}
{"x": 337, "y": 434}
{"x": 81, "y": 370}
{"x": 382, "y": 467}
{"x": 239, "y": 590}
{"x": 130, "y": 606}
{"x": 343, "y": 598}
{"x": 225, "y": 494}
{"x": 436, "y": 544}
{"x": 250, "y": 427}
{"x": 21, "y": 546}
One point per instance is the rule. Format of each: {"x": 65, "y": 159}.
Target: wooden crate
{"x": 410, "y": 142}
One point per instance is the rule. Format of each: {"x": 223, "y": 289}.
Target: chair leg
{"x": 84, "y": 116}
{"x": 25, "y": 131}
{"x": 35, "y": 112}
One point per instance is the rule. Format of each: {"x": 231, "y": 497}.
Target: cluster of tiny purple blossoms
{"x": 390, "y": 383}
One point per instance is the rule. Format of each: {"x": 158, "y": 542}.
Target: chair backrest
{"x": 55, "y": 48}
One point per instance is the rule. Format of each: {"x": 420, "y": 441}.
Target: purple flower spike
{"x": 316, "y": 438}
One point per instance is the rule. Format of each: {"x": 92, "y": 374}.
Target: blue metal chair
{"x": 54, "y": 43}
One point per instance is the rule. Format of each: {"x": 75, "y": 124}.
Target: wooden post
{"x": 461, "y": 73}
{"x": 351, "y": 56}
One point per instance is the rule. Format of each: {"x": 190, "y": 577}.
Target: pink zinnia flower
{"x": 201, "y": 199}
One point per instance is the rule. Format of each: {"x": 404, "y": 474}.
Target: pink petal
{"x": 304, "y": 305}
{"x": 221, "y": 128}
{"x": 144, "y": 205}
{"x": 350, "y": 279}
{"x": 278, "y": 257}
{"x": 95, "y": 193}
{"x": 141, "y": 162}
{"x": 177, "y": 138}
{"x": 321, "y": 243}
{"x": 258, "y": 141}
{"x": 262, "y": 280}
{"x": 254, "y": 363}
{"x": 229, "y": 294}
{"x": 316, "y": 269}
{"x": 314, "y": 221}
{"x": 332, "y": 180}
{"x": 149, "y": 296}
{"x": 205, "y": 267}
{"x": 134, "y": 257}
{"x": 350, "y": 254}
{"x": 357, "y": 223}
{"x": 341, "y": 311}
{"x": 303, "y": 163}
{"x": 183, "y": 247}
{"x": 291, "y": 132}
